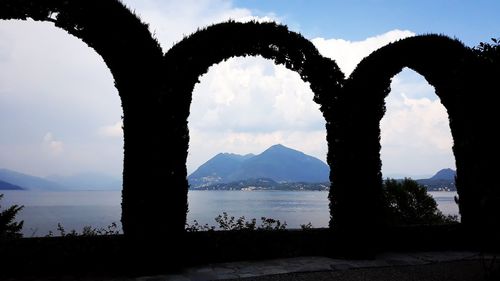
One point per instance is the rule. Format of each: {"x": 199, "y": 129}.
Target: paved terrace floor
{"x": 460, "y": 266}
{"x": 388, "y": 266}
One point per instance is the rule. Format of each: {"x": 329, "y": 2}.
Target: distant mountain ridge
{"x": 444, "y": 174}
{"x": 8, "y": 186}
{"x": 12, "y": 180}
{"x": 26, "y": 181}
{"x": 278, "y": 163}
{"x": 282, "y": 168}
{"x": 218, "y": 168}
{"x": 443, "y": 180}
{"x": 217, "y": 174}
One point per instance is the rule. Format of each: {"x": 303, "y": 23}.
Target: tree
{"x": 8, "y": 227}
{"x": 407, "y": 202}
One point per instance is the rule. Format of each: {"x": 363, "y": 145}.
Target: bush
{"x": 8, "y": 227}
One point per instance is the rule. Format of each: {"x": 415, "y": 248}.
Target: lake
{"x": 75, "y": 209}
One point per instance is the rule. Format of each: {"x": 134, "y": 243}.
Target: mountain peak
{"x": 276, "y": 146}
{"x": 446, "y": 174}
{"x": 280, "y": 149}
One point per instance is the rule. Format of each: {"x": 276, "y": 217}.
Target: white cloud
{"x": 170, "y": 21}
{"x": 416, "y": 138}
{"x": 241, "y": 106}
{"x": 51, "y": 82}
{"x": 348, "y": 54}
{"x": 253, "y": 104}
{"x": 113, "y": 131}
{"x": 245, "y": 105}
{"x": 249, "y": 94}
{"x": 415, "y": 134}
{"x": 205, "y": 144}
{"x": 55, "y": 147}
{"x": 71, "y": 91}
{"x": 426, "y": 120}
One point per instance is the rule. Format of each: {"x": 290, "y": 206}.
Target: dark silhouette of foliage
{"x": 134, "y": 59}
{"x": 9, "y": 228}
{"x": 406, "y": 202}
{"x": 230, "y": 223}
{"x": 307, "y": 226}
{"x": 191, "y": 58}
{"x": 489, "y": 51}
{"x": 156, "y": 91}
{"x": 487, "y": 192}
{"x": 87, "y": 230}
{"x": 447, "y": 65}
{"x": 196, "y": 226}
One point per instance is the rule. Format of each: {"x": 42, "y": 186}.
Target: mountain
{"x": 27, "y": 181}
{"x": 217, "y": 169}
{"x": 82, "y": 181}
{"x": 283, "y": 164}
{"x": 444, "y": 174}
{"x": 87, "y": 181}
{"x": 8, "y": 186}
{"x": 278, "y": 163}
{"x": 442, "y": 180}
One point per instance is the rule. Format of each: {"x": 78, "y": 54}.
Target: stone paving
{"x": 235, "y": 270}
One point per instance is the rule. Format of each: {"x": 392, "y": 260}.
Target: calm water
{"x": 75, "y": 209}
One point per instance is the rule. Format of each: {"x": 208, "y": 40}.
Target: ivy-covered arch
{"x": 134, "y": 59}
{"x": 191, "y": 58}
{"x": 449, "y": 67}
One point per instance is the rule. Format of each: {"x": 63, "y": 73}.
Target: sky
{"x": 60, "y": 113}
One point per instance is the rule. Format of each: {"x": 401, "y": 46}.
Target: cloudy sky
{"x": 60, "y": 113}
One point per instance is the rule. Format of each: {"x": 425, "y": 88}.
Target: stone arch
{"x": 449, "y": 67}
{"x": 134, "y": 59}
{"x": 192, "y": 57}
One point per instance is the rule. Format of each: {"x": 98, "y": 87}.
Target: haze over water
{"x": 75, "y": 209}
